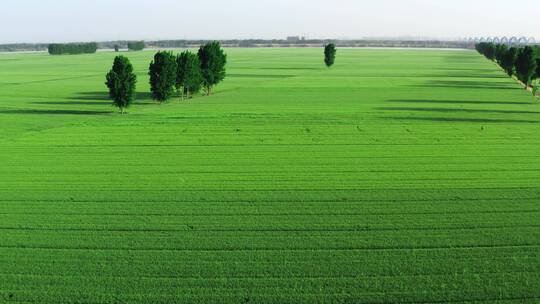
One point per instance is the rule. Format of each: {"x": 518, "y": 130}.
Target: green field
{"x": 397, "y": 176}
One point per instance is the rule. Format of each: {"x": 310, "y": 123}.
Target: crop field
{"x": 396, "y": 176}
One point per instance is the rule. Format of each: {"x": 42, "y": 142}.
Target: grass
{"x": 397, "y": 176}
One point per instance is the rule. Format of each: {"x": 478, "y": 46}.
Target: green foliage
{"x": 537, "y": 52}
{"x": 72, "y": 48}
{"x": 188, "y": 75}
{"x": 116, "y": 48}
{"x": 162, "y": 73}
{"x": 213, "y": 60}
{"x": 121, "y": 82}
{"x": 508, "y": 60}
{"x": 487, "y": 49}
{"x": 537, "y": 74}
{"x": 500, "y": 52}
{"x": 136, "y": 45}
{"x": 525, "y": 64}
{"x": 330, "y": 54}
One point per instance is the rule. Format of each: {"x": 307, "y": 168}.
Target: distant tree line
{"x": 136, "y": 45}
{"x": 72, "y": 48}
{"x": 184, "y": 74}
{"x": 91, "y": 47}
{"x": 24, "y": 47}
{"x": 123, "y": 44}
{"x": 521, "y": 62}
{"x": 246, "y": 43}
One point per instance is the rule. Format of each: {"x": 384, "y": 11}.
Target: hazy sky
{"x": 85, "y": 20}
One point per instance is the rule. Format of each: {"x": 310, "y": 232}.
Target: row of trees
{"x": 72, "y": 48}
{"x": 132, "y": 46}
{"x": 136, "y": 45}
{"x": 184, "y": 74}
{"x": 524, "y": 62}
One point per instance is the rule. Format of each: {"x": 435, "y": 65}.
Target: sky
{"x": 103, "y": 20}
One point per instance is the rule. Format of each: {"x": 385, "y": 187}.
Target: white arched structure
{"x": 512, "y": 41}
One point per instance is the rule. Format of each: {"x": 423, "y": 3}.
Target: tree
{"x": 213, "y": 60}
{"x": 136, "y": 45}
{"x": 489, "y": 51}
{"x": 480, "y": 47}
{"x": 537, "y": 76}
{"x": 508, "y": 60}
{"x": 188, "y": 74}
{"x": 121, "y": 82}
{"x": 537, "y": 50}
{"x": 162, "y": 75}
{"x": 116, "y": 48}
{"x": 500, "y": 52}
{"x": 526, "y": 65}
{"x": 330, "y": 54}
{"x": 181, "y": 61}
{"x": 72, "y": 48}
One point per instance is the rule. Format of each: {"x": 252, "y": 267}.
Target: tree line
{"x": 72, "y": 48}
{"x": 136, "y": 45}
{"x": 163, "y": 44}
{"x": 521, "y": 62}
{"x": 183, "y": 75}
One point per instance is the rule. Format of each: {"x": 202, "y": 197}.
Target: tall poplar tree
{"x": 121, "y": 82}
{"x": 330, "y": 54}
{"x": 508, "y": 60}
{"x": 188, "y": 75}
{"x": 162, "y": 73}
{"x": 526, "y": 65}
{"x": 213, "y": 60}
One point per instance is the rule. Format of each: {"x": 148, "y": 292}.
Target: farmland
{"x": 396, "y": 176}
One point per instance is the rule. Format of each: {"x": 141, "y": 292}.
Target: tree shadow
{"x": 95, "y": 97}
{"x": 92, "y": 96}
{"x": 461, "y": 58}
{"x": 53, "y": 112}
{"x": 97, "y": 103}
{"x": 455, "y": 110}
{"x": 258, "y": 76}
{"x": 468, "y": 85}
{"x": 465, "y": 76}
{"x": 290, "y": 69}
{"x": 468, "y": 120}
{"x": 459, "y": 102}
{"x": 475, "y": 84}
{"x": 143, "y": 96}
{"x": 465, "y": 70}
